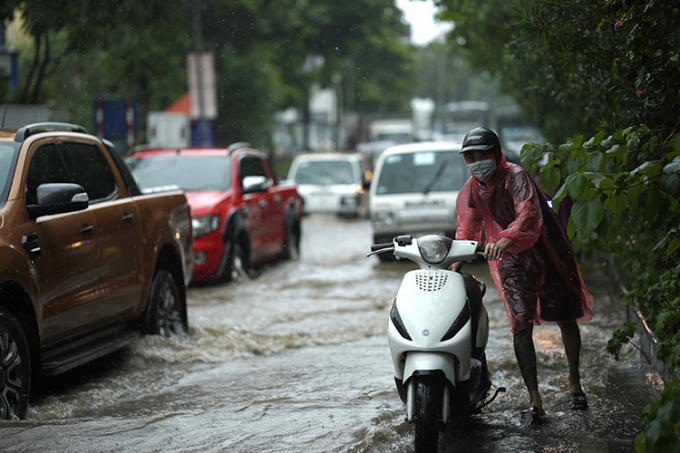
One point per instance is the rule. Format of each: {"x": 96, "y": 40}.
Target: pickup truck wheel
{"x": 166, "y": 311}
{"x": 291, "y": 246}
{"x": 15, "y": 369}
{"x": 233, "y": 266}
{"x": 238, "y": 263}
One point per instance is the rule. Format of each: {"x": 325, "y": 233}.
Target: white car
{"x": 414, "y": 190}
{"x": 333, "y": 183}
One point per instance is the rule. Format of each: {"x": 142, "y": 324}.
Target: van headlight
{"x": 351, "y": 201}
{"x": 383, "y": 218}
{"x": 206, "y": 224}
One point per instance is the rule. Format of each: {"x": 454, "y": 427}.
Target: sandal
{"x": 532, "y": 415}
{"x": 577, "y": 401}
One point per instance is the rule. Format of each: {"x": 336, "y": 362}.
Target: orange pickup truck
{"x": 87, "y": 263}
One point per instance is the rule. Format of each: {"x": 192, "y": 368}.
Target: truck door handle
{"x": 87, "y": 229}
{"x": 263, "y": 203}
{"x": 30, "y": 243}
{"x": 128, "y": 218}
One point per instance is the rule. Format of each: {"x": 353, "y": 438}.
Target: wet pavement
{"x": 296, "y": 360}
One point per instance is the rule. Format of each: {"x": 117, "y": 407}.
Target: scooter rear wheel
{"x": 426, "y": 416}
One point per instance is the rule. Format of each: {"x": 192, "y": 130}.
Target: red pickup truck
{"x": 240, "y": 216}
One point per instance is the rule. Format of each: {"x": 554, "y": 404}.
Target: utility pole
{"x": 198, "y": 42}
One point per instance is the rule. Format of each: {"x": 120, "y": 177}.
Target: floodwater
{"x": 296, "y": 360}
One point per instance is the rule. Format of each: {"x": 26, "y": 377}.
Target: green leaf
{"x": 587, "y": 215}
{"x": 559, "y": 196}
{"x": 633, "y": 191}
{"x": 604, "y": 183}
{"x": 613, "y": 149}
{"x": 550, "y": 179}
{"x": 595, "y": 162}
{"x": 530, "y": 154}
{"x": 670, "y": 183}
{"x": 576, "y": 184}
{"x": 672, "y": 247}
{"x": 673, "y": 167}
{"x": 566, "y": 148}
{"x": 573, "y": 166}
{"x": 571, "y": 227}
{"x": 595, "y": 140}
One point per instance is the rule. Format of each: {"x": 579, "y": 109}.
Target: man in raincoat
{"x": 530, "y": 258}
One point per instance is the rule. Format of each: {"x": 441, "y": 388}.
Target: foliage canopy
{"x": 85, "y": 49}
{"x": 608, "y": 70}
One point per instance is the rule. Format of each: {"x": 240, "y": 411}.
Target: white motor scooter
{"x": 438, "y": 331}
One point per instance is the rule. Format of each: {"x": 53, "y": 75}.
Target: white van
{"x": 414, "y": 190}
{"x": 333, "y": 183}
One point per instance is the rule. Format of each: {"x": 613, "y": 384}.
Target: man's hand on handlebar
{"x": 494, "y": 251}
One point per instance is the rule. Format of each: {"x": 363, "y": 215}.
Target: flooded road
{"x": 296, "y": 360}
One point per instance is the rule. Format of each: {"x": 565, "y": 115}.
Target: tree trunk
{"x": 41, "y": 72}
{"x": 23, "y": 98}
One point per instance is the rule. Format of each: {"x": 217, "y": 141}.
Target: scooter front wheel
{"x": 426, "y": 415}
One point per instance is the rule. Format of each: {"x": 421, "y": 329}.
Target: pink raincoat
{"x": 538, "y": 277}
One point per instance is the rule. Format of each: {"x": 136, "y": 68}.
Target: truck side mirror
{"x": 58, "y": 198}
{"x": 253, "y": 184}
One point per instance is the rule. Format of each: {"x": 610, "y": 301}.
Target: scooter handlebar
{"x": 377, "y": 247}
{"x": 381, "y": 248}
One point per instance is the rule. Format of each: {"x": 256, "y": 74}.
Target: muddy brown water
{"x": 296, "y": 360}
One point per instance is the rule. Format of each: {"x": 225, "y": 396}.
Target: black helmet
{"x": 480, "y": 138}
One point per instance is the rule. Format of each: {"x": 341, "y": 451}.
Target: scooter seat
{"x": 475, "y": 292}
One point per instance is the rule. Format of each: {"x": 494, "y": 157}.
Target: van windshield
{"x": 423, "y": 171}
{"x": 325, "y": 173}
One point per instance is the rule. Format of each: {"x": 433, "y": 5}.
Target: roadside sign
{"x": 202, "y": 90}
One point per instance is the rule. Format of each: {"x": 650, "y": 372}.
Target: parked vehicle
{"x": 333, "y": 183}
{"x": 463, "y": 116}
{"x": 514, "y": 132}
{"x": 437, "y": 333}
{"x": 88, "y": 262}
{"x": 400, "y": 130}
{"x": 414, "y": 191}
{"x": 241, "y": 216}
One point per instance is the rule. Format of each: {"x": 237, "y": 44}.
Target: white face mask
{"x": 483, "y": 170}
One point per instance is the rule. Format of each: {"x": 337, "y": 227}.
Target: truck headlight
{"x": 206, "y": 224}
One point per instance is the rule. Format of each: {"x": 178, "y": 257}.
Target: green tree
{"x": 83, "y": 49}
{"x": 608, "y": 70}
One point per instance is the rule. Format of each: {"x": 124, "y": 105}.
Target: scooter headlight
{"x": 463, "y": 317}
{"x": 398, "y": 323}
{"x": 434, "y": 249}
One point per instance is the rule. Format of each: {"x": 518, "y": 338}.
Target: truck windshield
{"x": 325, "y": 173}
{"x": 417, "y": 172}
{"x": 185, "y": 172}
{"x": 7, "y": 157}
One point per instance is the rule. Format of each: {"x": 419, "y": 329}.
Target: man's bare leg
{"x": 526, "y": 359}
{"x": 571, "y": 337}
